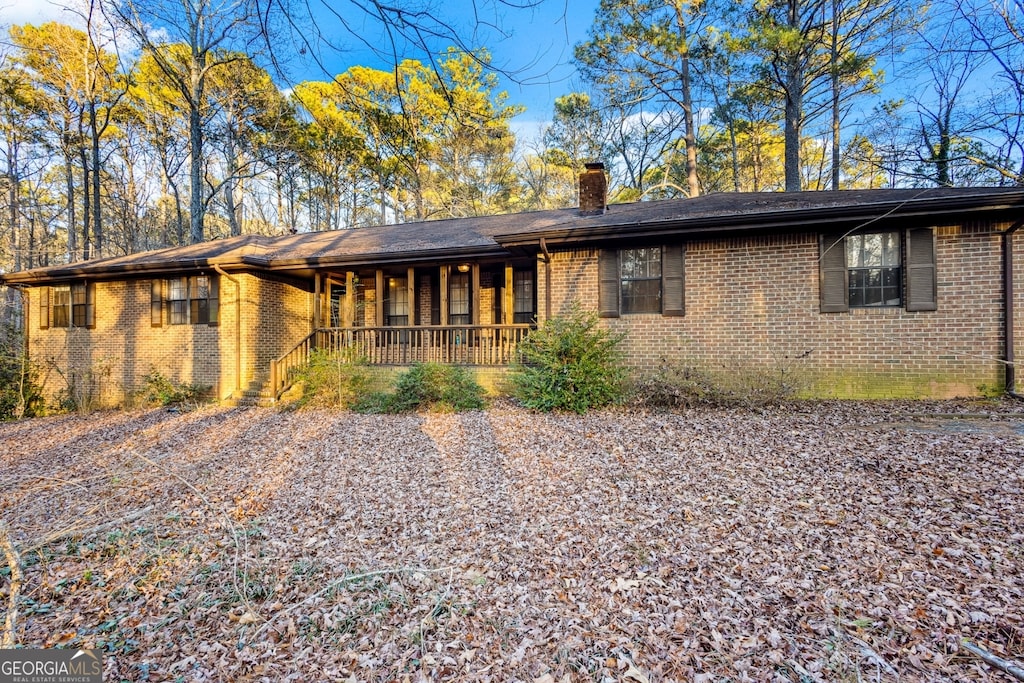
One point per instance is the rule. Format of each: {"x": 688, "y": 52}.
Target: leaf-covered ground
{"x": 837, "y": 542}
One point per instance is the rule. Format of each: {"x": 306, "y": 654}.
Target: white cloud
{"x": 14, "y": 12}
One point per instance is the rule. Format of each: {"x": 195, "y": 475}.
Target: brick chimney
{"x": 593, "y": 190}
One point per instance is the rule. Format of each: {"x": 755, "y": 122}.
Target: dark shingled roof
{"x": 725, "y": 213}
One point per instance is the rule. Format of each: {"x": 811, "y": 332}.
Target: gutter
{"x": 238, "y": 325}
{"x": 547, "y": 278}
{"x": 1008, "y": 310}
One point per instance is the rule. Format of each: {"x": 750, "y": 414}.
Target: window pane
{"x": 177, "y": 289}
{"x": 199, "y": 287}
{"x": 641, "y": 296}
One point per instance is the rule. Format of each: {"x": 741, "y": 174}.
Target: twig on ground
{"x": 1004, "y": 665}
{"x": 345, "y": 579}
{"x": 73, "y": 531}
{"x": 9, "y": 639}
{"x": 872, "y": 656}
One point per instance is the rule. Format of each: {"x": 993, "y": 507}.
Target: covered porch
{"x": 470, "y": 313}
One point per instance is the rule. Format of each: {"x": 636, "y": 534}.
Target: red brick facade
{"x": 106, "y": 364}
{"x": 752, "y": 306}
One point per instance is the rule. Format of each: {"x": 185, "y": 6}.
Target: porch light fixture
{"x": 463, "y": 267}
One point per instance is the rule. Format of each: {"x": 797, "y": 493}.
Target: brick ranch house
{"x": 871, "y": 293}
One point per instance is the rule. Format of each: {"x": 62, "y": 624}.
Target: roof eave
{"x": 87, "y": 270}
{"x": 374, "y": 260}
{"x": 766, "y": 222}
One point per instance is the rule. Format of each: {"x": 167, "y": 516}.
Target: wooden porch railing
{"x": 452, "y": 344}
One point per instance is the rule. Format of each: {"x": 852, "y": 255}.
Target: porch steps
{"x": 257, "y": 393}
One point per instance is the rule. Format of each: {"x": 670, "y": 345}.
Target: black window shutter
{"x": 673, "y": 295}
{"x": 835, "y": 283}
{"x": 156, "y": 303}
{"x": 608, "y": 283}
{"x": 90, "y": 305}
{"x": 921, "y": 276}
{"x": 213, "y": 308}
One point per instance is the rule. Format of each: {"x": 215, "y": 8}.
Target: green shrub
{"x": 571, "y": 364}
{"x": 334, "y": 379}
{"x": 429, "y": 386}
{"x": 160, "y": 390}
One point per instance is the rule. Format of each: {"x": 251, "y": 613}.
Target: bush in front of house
{"x": 334, "y": 379}
{"x": 427, "y": 386}
{"x": 569, "y": 364}
{"x": 160, "y": 390}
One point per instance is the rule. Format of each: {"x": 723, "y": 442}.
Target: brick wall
{"x": 752, "y": 307}
{"x": 107, "y": 363}
{"x": 1018, "y": 307}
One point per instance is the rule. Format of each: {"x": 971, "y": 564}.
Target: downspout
{"x": 1008, "y": 310}
{"x": 547, "y": 278}
{"x": 238, "y": 325}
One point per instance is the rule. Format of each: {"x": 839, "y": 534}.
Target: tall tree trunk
{"x": 14, "y": 190}
{"x": 690, "y": 134}
{"x": 83, "y": 158}
{"x": 834, "y": 66}
{"x": 230, "y": 182}
{"x": 794, "y": 115}
{"x": 69, "y": 176}
{"x": 97, "y": 206}
{"x": 794, "y": 89}
{"x": 195, "y": 176}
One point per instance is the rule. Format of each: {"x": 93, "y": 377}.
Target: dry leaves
{"x": 815, "y": 542}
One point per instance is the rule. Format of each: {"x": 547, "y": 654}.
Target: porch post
{"x": 508, "y": 297}
{"x": 317, "y": 293}
{"x": 348, "y": 314}
{"x": 379, "y": 299}
{"x": 474, "y": 293}
{"x": 444, "y": 295}
{"x": 410, "y": 281}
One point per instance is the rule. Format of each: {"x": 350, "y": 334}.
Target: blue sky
{"x": 533, "y": 47}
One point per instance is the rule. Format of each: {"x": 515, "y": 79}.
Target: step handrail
{"x": 281, "y": 375}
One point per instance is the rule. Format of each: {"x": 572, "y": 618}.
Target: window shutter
{"x": 156, "y": 303}
{"x": 921, "y": 276}
{"x": 213, "y": 308}
{"x": 90, "y": 305}
{"x": 835, "y": 282}
{"x": 44, "y": 308}
{"x": 673, "y": 294}
{"x": 608, "y": 283}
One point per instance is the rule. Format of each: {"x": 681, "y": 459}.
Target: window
{"x": 523, "y": 308}
{"x": 398, "y": 301}
{"x": 71, "y": 305}
{"x": 458, "y": 299}
{"x": 641, "y": 280}
{"x": 61, "y": 306}
{"x": 640, "y": 272}
{"x": 878, "y": 269}
{"x": 177, "y": 301}
{"x": 190, "y": 300}
{"x": 873, "y": 262}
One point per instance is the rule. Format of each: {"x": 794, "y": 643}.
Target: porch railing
{"x": 450, "y": 344}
